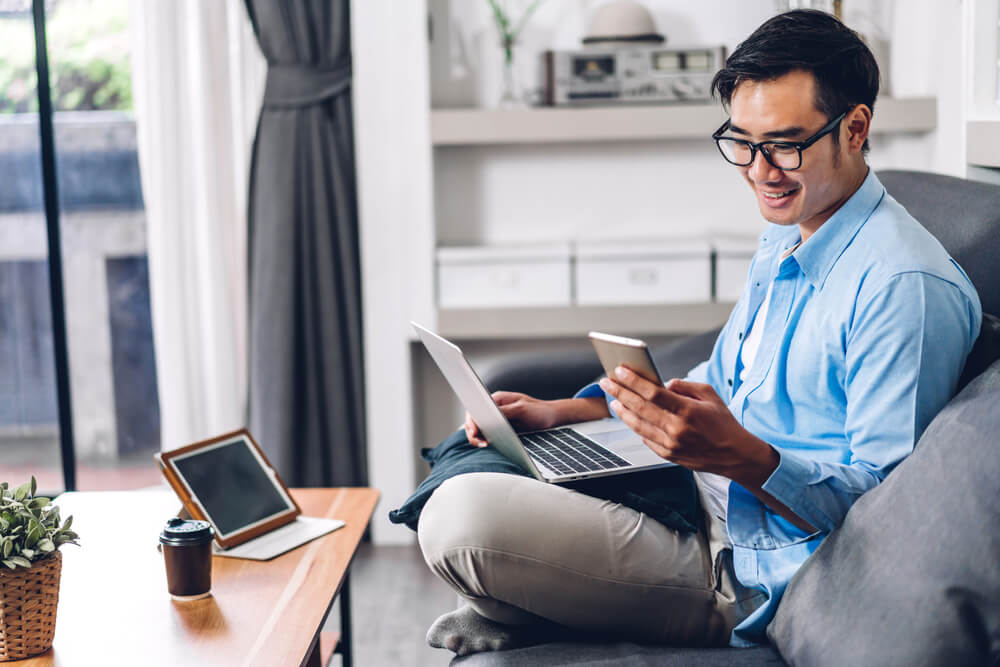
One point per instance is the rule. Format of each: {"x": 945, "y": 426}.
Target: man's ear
{"x": 857, "y": 124}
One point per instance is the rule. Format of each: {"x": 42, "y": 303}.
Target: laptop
{"x": 576, "y": 451}
{"x": 228, "y": 482}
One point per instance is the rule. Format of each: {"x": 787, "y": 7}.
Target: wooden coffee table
{"x": 114, "y": 608}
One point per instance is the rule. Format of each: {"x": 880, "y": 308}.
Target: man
{"x": 849, "y": 337}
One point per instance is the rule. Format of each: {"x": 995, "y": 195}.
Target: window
{"x": 112, "y": 375}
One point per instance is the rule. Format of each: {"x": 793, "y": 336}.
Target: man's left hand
{"x": 687, "y": 423}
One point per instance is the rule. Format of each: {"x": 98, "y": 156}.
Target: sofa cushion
{"x": 913, "y": 574}
{"x": 985, "y": 351}
{"x": 963, "y": 215}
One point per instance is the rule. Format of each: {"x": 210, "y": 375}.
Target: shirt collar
{"x": 821, "y": 251}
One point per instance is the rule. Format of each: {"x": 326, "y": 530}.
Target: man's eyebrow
{"x": 784, "y": 133}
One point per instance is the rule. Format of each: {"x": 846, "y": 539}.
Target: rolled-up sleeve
{"x": 904, "y": 352}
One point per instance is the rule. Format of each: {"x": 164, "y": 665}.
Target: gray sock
{"x": 464, "y": 631}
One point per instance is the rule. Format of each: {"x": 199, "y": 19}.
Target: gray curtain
{"x": 306, "y": 377}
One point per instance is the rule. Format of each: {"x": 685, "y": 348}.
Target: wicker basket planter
{"x": 28, "y": 601}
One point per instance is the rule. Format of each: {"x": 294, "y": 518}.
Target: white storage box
{"x": 732, "y": 264}
{"x": 633, "y": 272}
{"x": 504, "y": 276}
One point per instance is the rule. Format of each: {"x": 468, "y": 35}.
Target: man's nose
{"x": 762, "y": 171}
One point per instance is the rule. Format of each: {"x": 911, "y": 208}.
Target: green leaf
{"x": 8, "y": 546}
{"x": 11, "y": 564}
{"x": 69, "y": 522}
{"x": 46, "y": 546}
{"x": 34, "y": 486}
{"x": 28, "y": 553}
{"x": 41, "y": 501}
{"x": 18, "y": 560}
{"x": 35, "y": 533}
{"x": 22, "y": 491}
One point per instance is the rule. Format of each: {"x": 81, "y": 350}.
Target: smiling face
{"x": 784, "y": 109}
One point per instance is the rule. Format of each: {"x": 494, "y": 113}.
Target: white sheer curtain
{"x": 197, "y": 82}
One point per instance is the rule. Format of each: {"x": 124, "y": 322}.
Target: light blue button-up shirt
{"x": 869, "y": 325}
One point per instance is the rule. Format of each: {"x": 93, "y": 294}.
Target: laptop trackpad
{"x": 628, "y": 445}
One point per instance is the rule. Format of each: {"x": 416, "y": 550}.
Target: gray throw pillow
{"x": 912, "y": 577}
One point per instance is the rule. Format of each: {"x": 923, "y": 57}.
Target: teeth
{"x": 778, "y": 195}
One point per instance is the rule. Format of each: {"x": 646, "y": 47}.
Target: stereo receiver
{"x": 630, "y": 74}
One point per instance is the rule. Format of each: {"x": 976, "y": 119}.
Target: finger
{"x": 650, "y": 391}
{"x": 472, "y": 432}
{"x": 610, "y": 386}
{"x": 510, "y": 410}
{"x": 640, "y": 385}
{"x": 663, "y": 396}
{"x": 504, "y": 397}
{"x": 696, "y": 390}
{"x": 650, "y": 410}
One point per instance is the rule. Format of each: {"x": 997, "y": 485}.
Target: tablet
{"x": 228, "y": 482}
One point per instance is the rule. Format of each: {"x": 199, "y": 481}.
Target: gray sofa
{"x": 932, "y": 621}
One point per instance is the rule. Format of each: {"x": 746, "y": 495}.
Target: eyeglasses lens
{"x": 741, "y": 153}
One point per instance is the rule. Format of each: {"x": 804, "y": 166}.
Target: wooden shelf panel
{"x": 469, "y": 127}
{"x": 569, "y": 321}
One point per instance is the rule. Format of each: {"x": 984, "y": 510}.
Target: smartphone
{"x": 615, "y": 351}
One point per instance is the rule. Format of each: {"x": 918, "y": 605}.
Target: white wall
{"x": 927, "y": 58}
{"x": 498, "y": 194}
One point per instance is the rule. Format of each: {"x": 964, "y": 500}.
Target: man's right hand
{"x": 527, "y": 413}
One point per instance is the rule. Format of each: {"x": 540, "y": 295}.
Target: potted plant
{"x": 510, "y": 31}
{"x": 30, "y": 564}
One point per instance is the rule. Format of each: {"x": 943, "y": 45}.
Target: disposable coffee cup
{"x": 187, "y": 554}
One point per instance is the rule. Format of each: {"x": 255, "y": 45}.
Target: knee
{"x": 444, "y": 520}
{"x": 455, "y": 516}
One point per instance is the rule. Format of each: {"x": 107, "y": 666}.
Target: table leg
{"x": 344, "y": 647}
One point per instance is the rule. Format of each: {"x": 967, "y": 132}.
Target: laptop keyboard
{"x": 564, "y": 451}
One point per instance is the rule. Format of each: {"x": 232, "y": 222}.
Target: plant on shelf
{"x": 30, "y": 565}
{"x": 509, "y": 33}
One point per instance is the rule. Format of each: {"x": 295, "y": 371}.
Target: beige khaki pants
{"x": 518, "y": 549}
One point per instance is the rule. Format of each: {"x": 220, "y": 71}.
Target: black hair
{"x": 811, "y": 40}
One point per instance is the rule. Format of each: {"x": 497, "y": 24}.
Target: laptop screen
{"x": 230, "y": 482}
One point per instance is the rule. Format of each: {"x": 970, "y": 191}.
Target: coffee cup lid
{"x": 180, "y": 531}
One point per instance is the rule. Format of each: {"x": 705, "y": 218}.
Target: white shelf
{"x": 568, "y": 321}
{"x": 469, "y": 127}
{"x": 983, "y": 143}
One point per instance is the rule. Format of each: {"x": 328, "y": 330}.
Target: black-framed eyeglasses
{"x": 784, "y": 155}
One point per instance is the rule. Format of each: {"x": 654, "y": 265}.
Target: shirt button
{"x": 739, "y": 336}
{"x": 730, "y": 381}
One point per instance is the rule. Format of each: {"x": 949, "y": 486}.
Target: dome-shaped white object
{"x": 622, "y": 21}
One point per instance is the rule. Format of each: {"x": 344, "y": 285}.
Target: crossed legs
{"x": 522, "y": 552}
